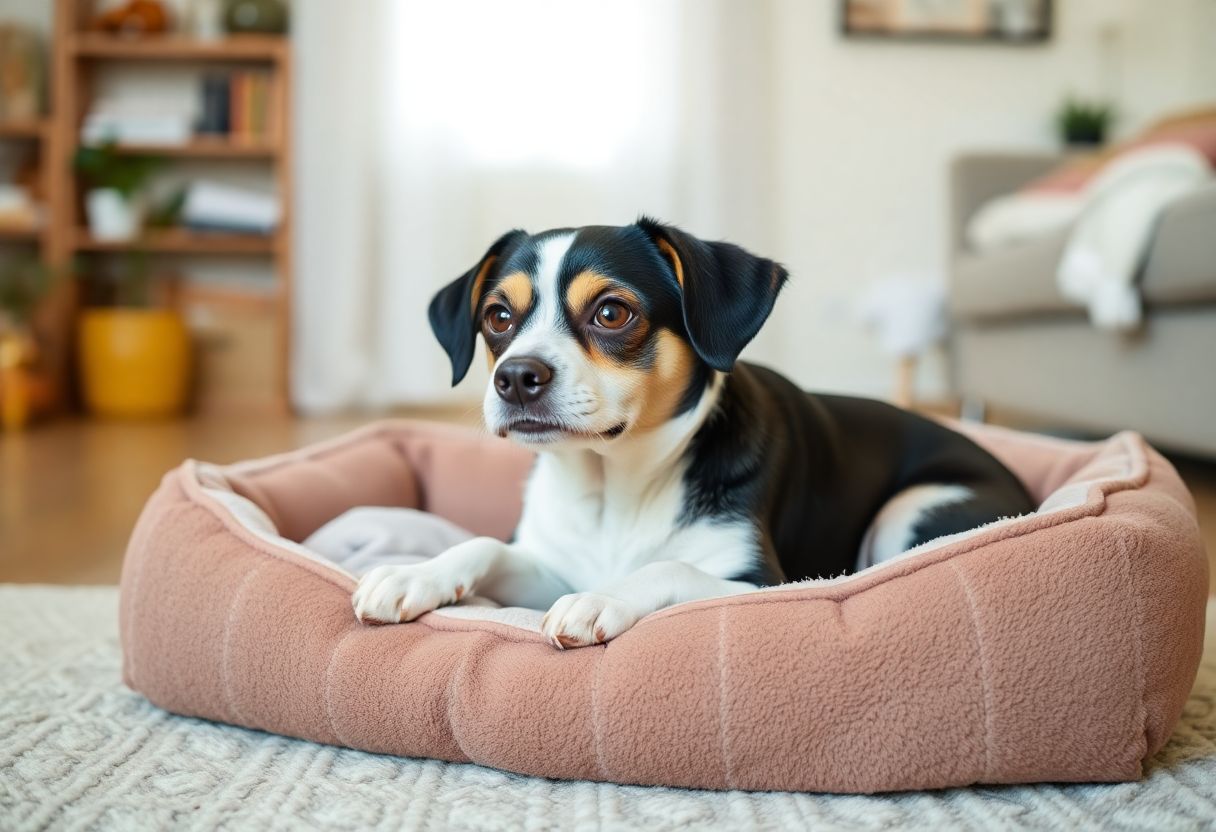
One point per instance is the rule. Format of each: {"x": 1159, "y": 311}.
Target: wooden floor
{"x": 71, "y": 491}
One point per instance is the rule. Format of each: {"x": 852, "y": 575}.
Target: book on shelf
{"x": 216, "y": 207}
{"x": 136, "y": 121}
{"x": 215, "y": 110}
{"x": 236, "y": 104}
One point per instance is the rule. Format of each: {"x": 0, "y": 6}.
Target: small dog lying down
{"x": 666, "y": 472}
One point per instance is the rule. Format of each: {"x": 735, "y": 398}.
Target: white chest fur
{"x": 594, "y": 518}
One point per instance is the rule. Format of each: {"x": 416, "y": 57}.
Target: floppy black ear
{"x": 451, "y": 310}
{"x": 728, "y": 292}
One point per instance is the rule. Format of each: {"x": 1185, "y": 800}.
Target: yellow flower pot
{"x": 134, "y": 363}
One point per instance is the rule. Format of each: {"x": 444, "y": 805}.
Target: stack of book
{"x": 136, "y": 122}
{"x": 214, "y": 206}
{"x": 236, "y": 105}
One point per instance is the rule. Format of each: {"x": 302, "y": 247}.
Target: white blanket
{"x": 1113, "y": 220}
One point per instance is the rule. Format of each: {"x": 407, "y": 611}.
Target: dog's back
{"x": 820, "y": 472}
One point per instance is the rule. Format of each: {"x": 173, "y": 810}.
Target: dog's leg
{"x": 483, "y": 565}
{"x": 585, "y": 618}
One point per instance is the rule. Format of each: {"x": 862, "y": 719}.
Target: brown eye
{"x": 499, "y": 319}
{"x": 612, "y": 315}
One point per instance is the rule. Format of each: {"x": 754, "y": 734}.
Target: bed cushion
{"x": 1054, "y": 647}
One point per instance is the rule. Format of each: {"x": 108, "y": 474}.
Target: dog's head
{"x": 599, "y": 332}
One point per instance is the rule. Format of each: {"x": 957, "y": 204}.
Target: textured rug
{"x": 80, "y": 751}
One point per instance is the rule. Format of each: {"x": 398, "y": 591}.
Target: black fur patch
{"x": 812, "y": 472}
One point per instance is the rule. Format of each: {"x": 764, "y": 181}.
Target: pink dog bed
{"x": 1055, "y": 647}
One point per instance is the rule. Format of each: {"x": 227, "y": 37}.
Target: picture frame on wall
{"x": 979, "y": 21}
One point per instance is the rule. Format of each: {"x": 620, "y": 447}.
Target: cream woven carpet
{"x": 80, "y": 751}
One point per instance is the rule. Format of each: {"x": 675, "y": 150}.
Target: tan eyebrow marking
{"x": 587, "y": 286}
{"x": 584, "y": 288}
{"x": 516, "y": 290}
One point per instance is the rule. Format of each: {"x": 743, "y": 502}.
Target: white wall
{"x": 865, "y": 132}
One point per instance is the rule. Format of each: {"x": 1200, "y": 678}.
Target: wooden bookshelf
{"x": 260, "y": 48}
{"x": 51, "y": 321}
{"x": 204, "y": 148}
{"x": 20, "y": 233}
{"x": 34, "y": 130}
{"x": 78, "y": 56}
{"x": 180, "y": 241}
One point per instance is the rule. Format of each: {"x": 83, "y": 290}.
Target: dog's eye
{"x": 499, "y": 318}
{"x": 612, "y": 315}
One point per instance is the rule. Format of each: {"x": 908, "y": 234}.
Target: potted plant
{"x": 25, "y": 387}
{"x": 1084, "y": 123}
{"x": 112, "y": 203}
{"x": 135, "y": 355}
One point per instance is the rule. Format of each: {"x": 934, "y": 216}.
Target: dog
{"x": 666, "y": 470}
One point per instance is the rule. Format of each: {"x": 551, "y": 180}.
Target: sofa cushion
{"x": 1021, "y": 280}
{"x": 1017, "y": 280}
{"x": 1181, "y": 265}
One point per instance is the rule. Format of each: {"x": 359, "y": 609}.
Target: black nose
{"x": 522, "y": 380}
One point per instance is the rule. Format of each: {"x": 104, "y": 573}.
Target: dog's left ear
{"x": 451, "y": 310}
{"x": 728, "y": 292}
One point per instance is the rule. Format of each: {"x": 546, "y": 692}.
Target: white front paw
{"x": 391, "y": 594}
{"x": 587, "y": 618}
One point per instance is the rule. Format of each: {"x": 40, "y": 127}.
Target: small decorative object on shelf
{"x": 135, "y": 18}
{"x": 206, "y": 19}
{"x": 18, "y": 211}
{"x": 22, "y": 74}
{"x": 1084, "y": 123}
{"x": 262, "y": 17}
{"x": 112, "y": 203}
{"x": 25, "y": 385}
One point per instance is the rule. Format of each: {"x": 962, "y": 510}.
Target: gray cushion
{"x": 1181, "y": 266}
{"x": 1018, "y": 280}
{"x": 1021, "y": 280}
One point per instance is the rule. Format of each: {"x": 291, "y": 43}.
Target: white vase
{"x": 207, "y": 19}
{"x": 112, "y": 217}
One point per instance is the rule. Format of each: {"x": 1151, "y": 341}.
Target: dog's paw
{"x": 586, "y": 618}
{"x": 392, "y": 594}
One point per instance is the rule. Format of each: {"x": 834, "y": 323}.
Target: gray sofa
{"x": 1022, "y": 348}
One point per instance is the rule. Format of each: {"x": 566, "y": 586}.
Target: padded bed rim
{"x": 832, "y": 589}
{"x": 179, "y": 646}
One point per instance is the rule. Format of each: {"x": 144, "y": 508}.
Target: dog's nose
{"x": 522, "y": 380}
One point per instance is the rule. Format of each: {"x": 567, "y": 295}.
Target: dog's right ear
{"x": 452, "y": 310}
{"x": 728, "y": 292}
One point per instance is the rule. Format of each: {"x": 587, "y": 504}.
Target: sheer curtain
{"x": 427, "y": 129}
